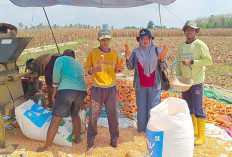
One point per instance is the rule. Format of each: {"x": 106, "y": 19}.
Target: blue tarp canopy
{"x": 90, "y": 3}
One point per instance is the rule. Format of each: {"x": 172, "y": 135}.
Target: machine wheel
{"x": 41, "y": 100}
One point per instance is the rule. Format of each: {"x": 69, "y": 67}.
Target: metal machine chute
{"x": 10, "y": 80}
{"x": 14, "y": 90}
{"x": 11, "y": 48}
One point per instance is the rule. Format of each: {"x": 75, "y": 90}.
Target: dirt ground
{"x": 129, "y": 140}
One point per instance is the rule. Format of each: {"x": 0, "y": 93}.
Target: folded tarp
{"x": 218, "y": 93}
{"x": 90, "y": 3}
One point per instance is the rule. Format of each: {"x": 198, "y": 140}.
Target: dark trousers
{"x": 194, "y": 98}
{"x": 100, "y": 96}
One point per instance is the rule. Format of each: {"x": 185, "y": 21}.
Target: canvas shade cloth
{"x": 90, "y": 3}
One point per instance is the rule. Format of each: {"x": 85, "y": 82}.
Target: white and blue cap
{"x": 142, "y": 33}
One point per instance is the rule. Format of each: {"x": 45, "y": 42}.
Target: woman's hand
{"x": 162, "y": 55}
{"x": 127, "y": 52}
{"x": 127, "y": 55}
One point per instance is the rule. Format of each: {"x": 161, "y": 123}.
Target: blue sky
{"x": 183, "y": 10}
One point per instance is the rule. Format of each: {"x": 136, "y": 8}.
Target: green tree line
{"x": 150, "y": 25}
{"x": 215, "y": 21}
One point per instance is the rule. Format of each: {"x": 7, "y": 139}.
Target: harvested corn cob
{"x": 127, "y": 49}
{"x": 101, "y": 60}
{"x": 121, "y": 61}
{"x": 163, "y": 54}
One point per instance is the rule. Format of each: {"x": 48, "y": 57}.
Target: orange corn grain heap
{"x": 101, "y": 60}
{"x": 215, "y": 110}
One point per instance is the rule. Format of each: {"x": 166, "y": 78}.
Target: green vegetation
{"x": 130, "y": 27}
{"x": 215, "y": 21}
{"x": 219, "y": 74}
{"x": 24, "y": 57}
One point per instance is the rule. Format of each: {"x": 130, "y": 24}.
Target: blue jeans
{"x": 146, "y": 99}
{"x": 194, "y": 98}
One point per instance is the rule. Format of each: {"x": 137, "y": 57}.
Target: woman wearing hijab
{"x": 147, "y": 82}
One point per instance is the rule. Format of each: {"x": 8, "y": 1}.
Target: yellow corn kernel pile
{"x": 129, "y": 140}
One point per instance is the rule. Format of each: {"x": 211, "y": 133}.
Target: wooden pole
{"x": 51, "y": 30}
{"x": 161, "y": 23}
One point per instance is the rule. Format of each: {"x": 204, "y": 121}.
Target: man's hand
{"x": 54, "y": 95}
{"x": 187, "y": 62}
{"x": 97, "y": 68}
{"x": 121, "y": 68}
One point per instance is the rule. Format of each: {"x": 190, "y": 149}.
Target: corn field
{"x": 44, "y": 37}
{"x": 218, "y": 41}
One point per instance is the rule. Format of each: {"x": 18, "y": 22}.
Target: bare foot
{"x": 77, "y": 141}
{"x": 142, "y": 133}
{"x": 89, "y": 152}
{"x": 114, "y": 145}
{"x": 42, "y": 149}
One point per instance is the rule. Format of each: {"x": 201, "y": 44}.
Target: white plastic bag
{"x": 170, "y": 130}
{"x": 82, "y": 114}
{"x": 34, "y": 121}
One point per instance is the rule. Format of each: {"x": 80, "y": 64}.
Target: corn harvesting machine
{"x": 16, "y": 86}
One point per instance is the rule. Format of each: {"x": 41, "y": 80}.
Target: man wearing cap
{"x": 195, "y": 53}
{"x": 4, "y": 27}
{"x": 69, "y": 94}
{"x": 104, "y": 88}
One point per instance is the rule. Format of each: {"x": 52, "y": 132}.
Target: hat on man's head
{"x": 191, "y": 24}
{"x": 144, "y": 32}
{"x": 104, "y": 33}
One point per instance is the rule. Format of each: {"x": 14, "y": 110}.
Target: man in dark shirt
{"x": 46, "y": 62}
